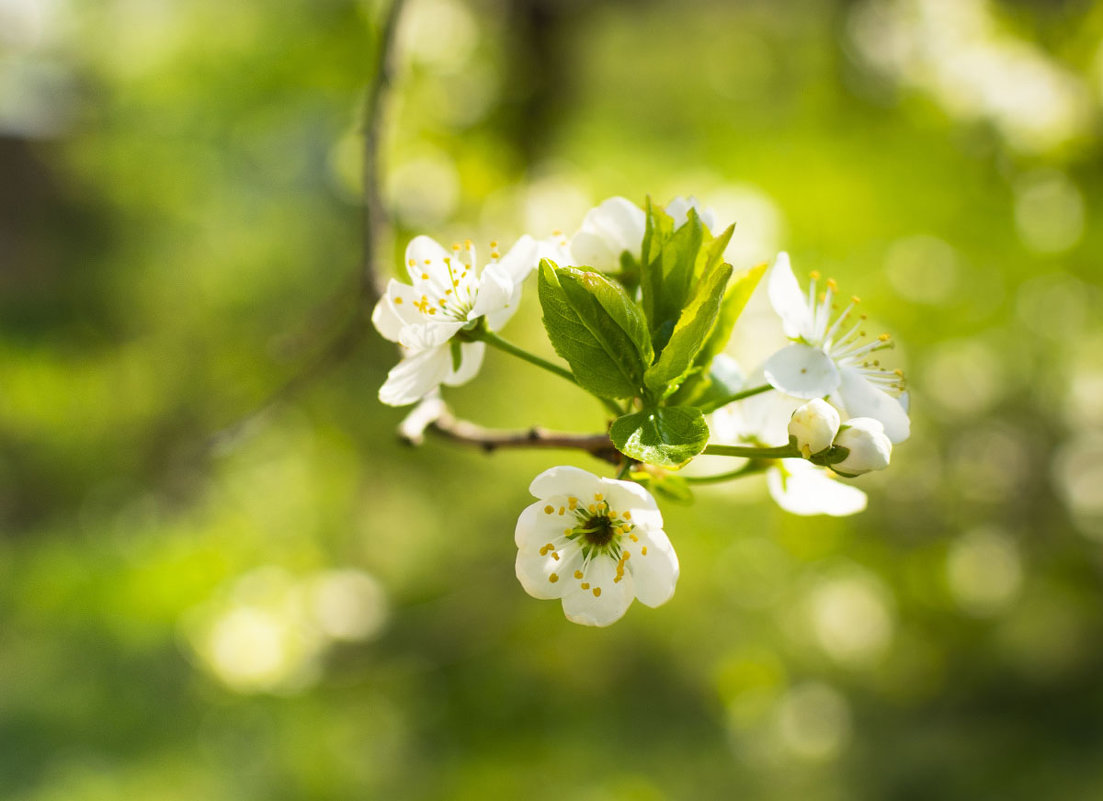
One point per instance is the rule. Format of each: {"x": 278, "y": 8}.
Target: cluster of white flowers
{"x": 598, "y": 543}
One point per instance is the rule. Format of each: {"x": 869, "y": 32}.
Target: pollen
{"x": 428, "y": 261}
{"x": 561, "y": 510}
{"x": 567, "y": 532}
{"x": 598, "y": 496}
{"x": 633, "y": 537}
{"x": 578, "y": 574}
{"x": 884, "y": 337}
{"x": 397, "y": 300}
{"x": 627, "y": 515}
{"x": 549, "y": 509}
{"x": 855, "y": 299}
{"x": 832, "y": 284}
{"x": 593, "y": 508}
{"x": 411, "y": 262}
{"x": 573, "y": 502}
{"x": 643, "y": 551}
{"x": 585, "y": 585}
{"x": 597, "y": 592}
{"x": 553, "y": 578}
{"x": 425, "y": 276}
{"x": 494, "y": 244}
{"x": 814, "y": 275}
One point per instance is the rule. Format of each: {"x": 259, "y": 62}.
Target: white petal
{"x": 565, "y": 480}
{"x": 423, "y": 336}
{"x": 679, "y": 207}
{"x": 521, "y": 259}
{"x": 862, "y": 399}
{"x": 471, "y": 359}
{"x": 802, "y": 371}
{"x": 415, "y": 377}
{"x": 498, "y": 318}
{"x": 534, "y": 571}
{"x": 808, "y": 490}
{"x": 386, "y": 320}
{"x": 787, "y": 299}
{"x": 535, "y": 527}
{"x": 427, "y": 257}
{"x": 604, "y": 601}
{"x": 589, "y": 249}
{"x": 655, "y": 573}
{"x": 495, "y": 290}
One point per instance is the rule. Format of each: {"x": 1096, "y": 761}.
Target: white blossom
{"x": 446, "y": 295}
{"x": 832, "y": 355}
{"x": 814, "y": 426}
{"x": 617, "y": 225}
{"x": 596, "y": 543}
{"x": 802, "y": 488}
{"x": 869, "y": 448}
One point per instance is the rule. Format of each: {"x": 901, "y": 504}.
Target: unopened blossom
{"x": 617, "y": 226}
{"x": 831, "y": 354}
{"x": 446, "y": 294}
{"x": 596, "y": 543}
{"x": 814, "y": 426}
{"x": 869, "y": 448}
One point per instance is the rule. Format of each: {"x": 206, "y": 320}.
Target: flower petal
{"x": 862, "y": 399}
{"x": 611, "y": 228}
{"x": 679, "y": 207}
{"x": 802, "y": 371}
{"x": 535, "y": 570}
{"x": 521, "y": 259}
{"x": 603, "y": 601}
{"x": 801, "y": 488}
{"x": 495, "y": 290}
{"x": 415, "y": 377}
{"x": 425, "y": 256}
{"x": 471, "y": 359}
{"x": 564, "y": 480}
{"x": 654, "y": 573}
{"x": 787, "y": 299}
{"x": 423, "y": 336}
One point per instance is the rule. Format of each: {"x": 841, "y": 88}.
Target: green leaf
{"x": 668, "y": 270}
{"x": 735, "y": 300}
{"x": 670, "y": 487}
{"x": 668, "y": 436}
{"x": 690, "y": 333}
{"x": 597, "y": 328}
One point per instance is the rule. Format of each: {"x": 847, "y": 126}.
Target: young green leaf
{"x": 667, "y": 436}
{"x": 668, "y": 271}
{"x": 735, "y": 300}
{"x": 597, "y": 328}
{"x": 690, "y": 333}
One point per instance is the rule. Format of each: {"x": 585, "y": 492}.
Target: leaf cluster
{"x": 650, "y": 340}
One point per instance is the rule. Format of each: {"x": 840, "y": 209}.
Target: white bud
{"x": 869, "y": 448}
{"x": 814, "y": 425}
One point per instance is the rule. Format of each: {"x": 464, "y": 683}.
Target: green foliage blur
{"x": 309, "y": 610}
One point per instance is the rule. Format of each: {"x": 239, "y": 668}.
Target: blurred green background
{"x": 310, "y": 610}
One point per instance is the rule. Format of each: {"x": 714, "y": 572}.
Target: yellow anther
{"x": 832, "y": 284}
{"x": 425, "y": 276}
{"x": 616, "y": 579}
{"x": 627, "y": 515}
{"x": 557, "y": 232}
{"x": 643, "y": 551}
{"x": 593, "y": 508}
{"x": 633, "y": 537}
{"x": 573, "y": 503}
{"x": 428, "y": 261}
{"x": 448, "y": 292}
{"x": 578, "y": 574}
{"x": 397, "y": 301}
{"x": 411, "y": 262}
{"x": 597, "y": 592}
{"x": 585, "y": 585}
{"x": 863, "y": 317}
{"x": 561, "y": 510}
{"x": 442, "y": 303}
{"x": 884, "y": 337}
{"x": 567, "y": 532}
{"x": 598, "y": 496}
{"x": 467, "y": 244}
{"x": 815, "y": 275}
{"x": 553, "y": 578}
{"x": 555, "y": 555}
{"x": 899, "y": 373}
{"x": 494, "y": 244}
{"x": 855, "y": 299}
{"x": 549, "y": 509}
{"x": 624, "y": 558}
{"x": 432, "y": 311}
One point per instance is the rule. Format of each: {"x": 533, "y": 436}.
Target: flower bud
{"x": 869, "y": 448}
{"x": 814, "y": 426}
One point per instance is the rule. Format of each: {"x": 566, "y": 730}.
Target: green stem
{"x": 496, "y": 341}
{"x": 746, "y": 393}
{"x": 780, "y": 452}
{"x": 749, "y": 469}
{"x": 624, "y": 469}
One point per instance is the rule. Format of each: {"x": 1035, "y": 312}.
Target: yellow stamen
{"x": 553, "y": 578}
{"x": 578, "y": 574}
{"x": 549, "y": 509}
{"x": 597, "y": 592}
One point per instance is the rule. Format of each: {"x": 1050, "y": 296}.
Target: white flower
{"x": 446, "y": 295}
{"x": 830, "y": 358}
{"x": 869, "y": 448}
{"x": 801, "y": 488}
{"x": 596, "y": 543}
{"x": 618, "y": 225}
{"x": 814, "y": 426}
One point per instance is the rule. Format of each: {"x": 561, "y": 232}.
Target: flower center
{"x": 597, "y": 530}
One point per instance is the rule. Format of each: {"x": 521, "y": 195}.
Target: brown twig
{"x": 432, "y": 414}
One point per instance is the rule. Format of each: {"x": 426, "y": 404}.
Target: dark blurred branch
{"x": 433, "y": 415}
{"x": 375, "y": 221}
